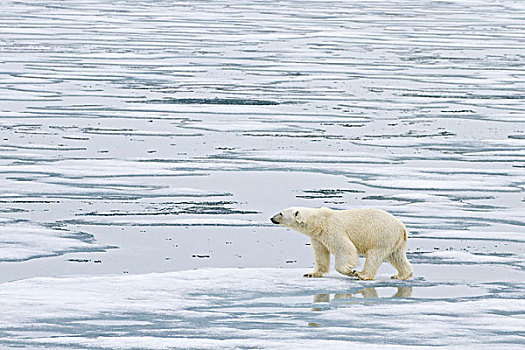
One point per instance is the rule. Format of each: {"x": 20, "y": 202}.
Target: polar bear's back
{"x": 372, "y": 227}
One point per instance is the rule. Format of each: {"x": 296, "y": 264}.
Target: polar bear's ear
{"x": 298, "y": 217}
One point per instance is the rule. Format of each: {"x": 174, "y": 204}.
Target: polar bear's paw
{"x": 313, "y": 275}
{"x": 363, "y": 276}
{"x": 398, "y": 277}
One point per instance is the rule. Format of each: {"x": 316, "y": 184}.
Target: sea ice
{"x": 265, "y": 308}
{"x": 173, "y": 130}
{"x": 23, "y": 241}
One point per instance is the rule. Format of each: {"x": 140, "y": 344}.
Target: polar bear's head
{"x": 289, "y": 217}
{"x": 309, "y": 221}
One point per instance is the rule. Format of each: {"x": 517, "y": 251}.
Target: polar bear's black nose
{"x": 274, "y": 219}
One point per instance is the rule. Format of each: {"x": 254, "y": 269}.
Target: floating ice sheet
{"x": 24, "y": 241}
{"x": 265, "y": 308}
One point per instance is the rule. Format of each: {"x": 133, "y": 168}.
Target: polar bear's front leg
{"x": 346, "y": 257}
{"x": 321, "y": 258}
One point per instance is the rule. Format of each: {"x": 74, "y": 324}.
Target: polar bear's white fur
{"x": 347, "y": 234}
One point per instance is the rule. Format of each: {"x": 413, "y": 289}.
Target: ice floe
{"x": 23, "y": 241}
{"x": 265, "y": 308}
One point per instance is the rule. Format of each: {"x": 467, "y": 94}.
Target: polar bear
{"x": 347, "y": 234}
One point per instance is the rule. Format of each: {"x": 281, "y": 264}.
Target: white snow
{"x": 263, "y": 308}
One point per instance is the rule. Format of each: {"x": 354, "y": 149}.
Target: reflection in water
{"x": 402, "y": 292}
{"x": 313, "y": 324}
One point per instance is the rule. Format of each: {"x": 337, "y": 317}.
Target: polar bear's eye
{"x": 296, "y": 213}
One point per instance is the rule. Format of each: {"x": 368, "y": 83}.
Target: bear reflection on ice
{"x": 374, "y": 233}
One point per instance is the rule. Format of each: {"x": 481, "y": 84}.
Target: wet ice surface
{"x": 260, "y": 308}
{"x": 159, "y": 136}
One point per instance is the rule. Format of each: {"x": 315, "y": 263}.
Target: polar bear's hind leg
{"x": 374, "y": 259}
{"x": 399, "y": 260}
{"x": 346, "y": 257}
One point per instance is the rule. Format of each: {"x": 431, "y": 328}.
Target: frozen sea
{"x": 145, "y": 144}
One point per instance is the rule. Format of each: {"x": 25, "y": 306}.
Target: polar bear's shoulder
{"x": 370, "y": 212}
